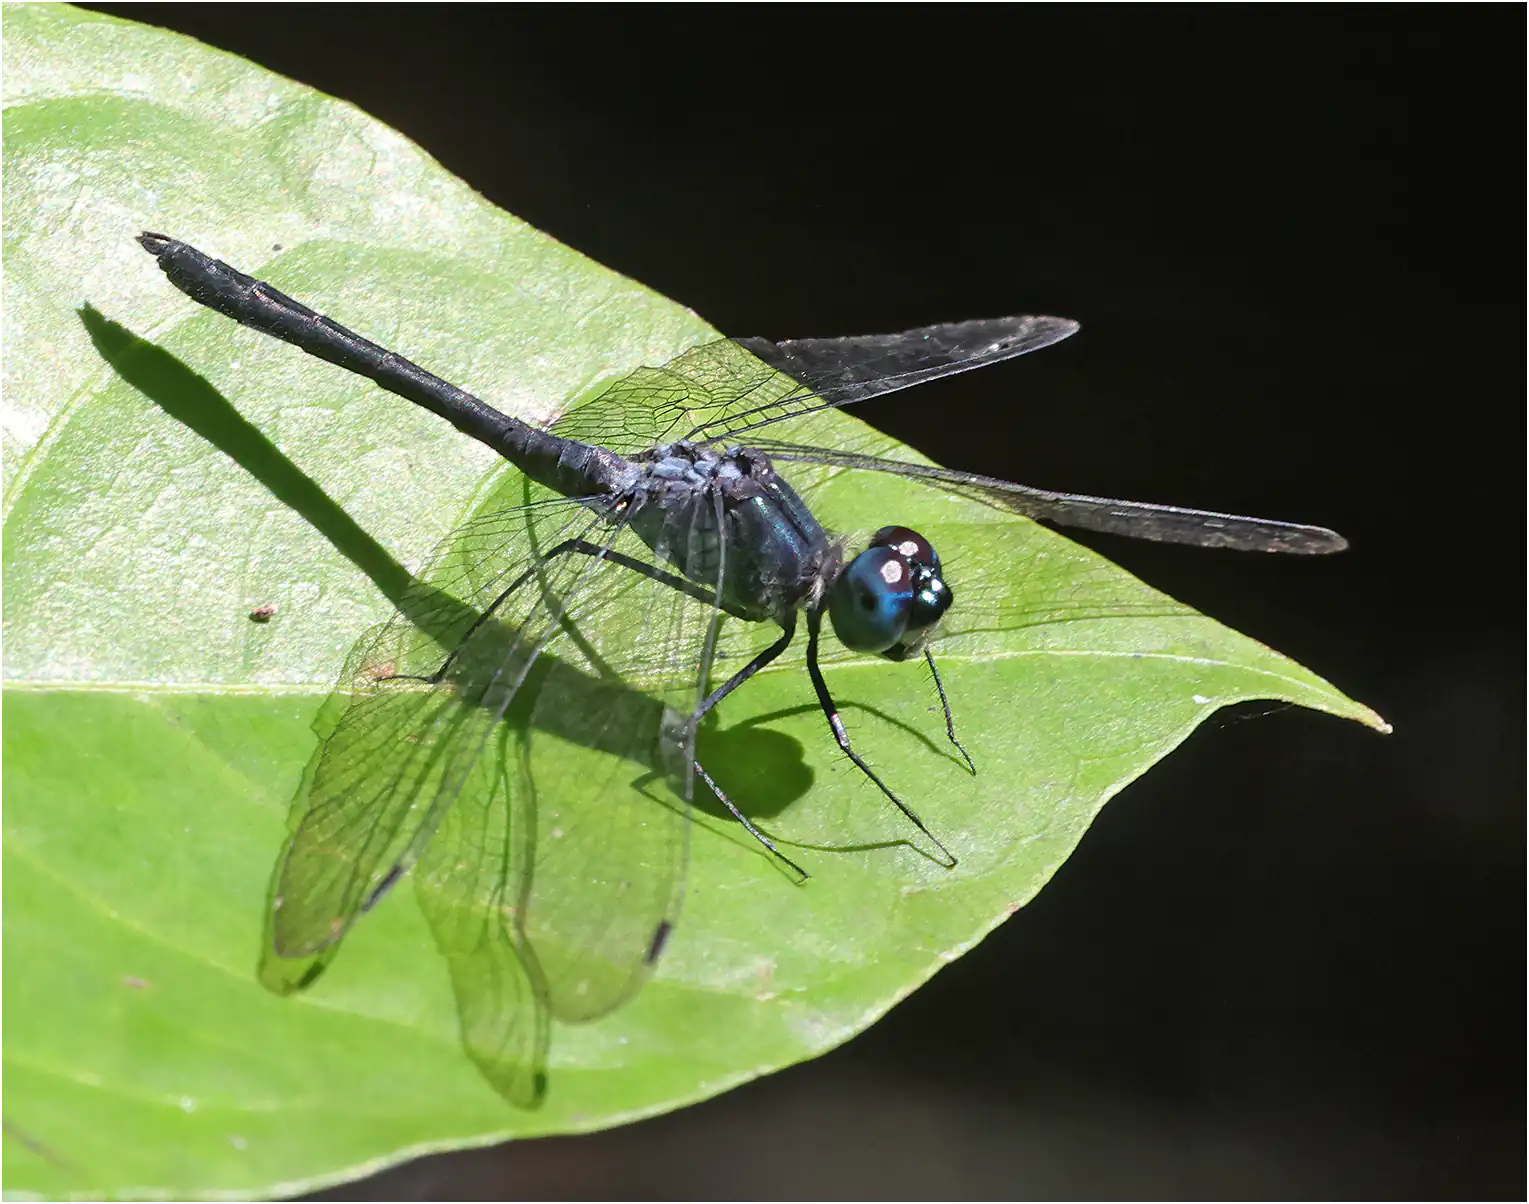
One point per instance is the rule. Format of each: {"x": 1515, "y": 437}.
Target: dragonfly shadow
{"x": 777, "y": 774}
{"x": 192, "y": 401}
{"x": 448, "y": 733}
{"x": 560, "y": 697}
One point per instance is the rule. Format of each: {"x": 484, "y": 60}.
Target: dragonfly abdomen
{"x": 573, "y": 469}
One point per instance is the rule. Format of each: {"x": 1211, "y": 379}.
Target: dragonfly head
{"x": 888, "y": 599}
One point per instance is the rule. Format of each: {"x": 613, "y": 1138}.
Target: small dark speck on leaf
{"x": 262, "y": 614}
{"x": 660, "y": 939}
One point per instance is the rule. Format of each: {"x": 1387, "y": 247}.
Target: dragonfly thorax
{"x": 725, "y": 518}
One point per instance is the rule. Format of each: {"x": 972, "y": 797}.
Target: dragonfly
{"x": 639, "y": 523}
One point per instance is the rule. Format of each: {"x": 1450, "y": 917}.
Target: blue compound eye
{"x": 870, "y": 602}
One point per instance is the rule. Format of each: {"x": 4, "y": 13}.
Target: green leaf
{"x": 166, "y": 473}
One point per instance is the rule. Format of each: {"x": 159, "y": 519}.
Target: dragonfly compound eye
{"x": 931, "y": 598}
{"x": 870, "y": 603}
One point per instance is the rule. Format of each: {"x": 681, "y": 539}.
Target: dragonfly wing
{"x": 1141, "y": 520}
{"x": 609, "y": 760}
{"x": 652, "y": 406}
{"x": 400, "y": 740}
{"x": 721, "y": 389}
{"x": 839, "y": 372}
{"x": 465, "y": 884}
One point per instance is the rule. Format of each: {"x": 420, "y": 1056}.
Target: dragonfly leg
{"x": 788, "y": 633}
{"x": 748, "y": 824}
{"x": 950, "y": 723}
{"x": 836, "y": 725}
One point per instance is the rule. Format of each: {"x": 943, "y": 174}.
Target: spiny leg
{"x": 836, "y": 725}
{"x": 788, "y": 632}
{"x": 950, "y": 723}
{"x": 748, "y": 824}
{"x": 758, "y": 662}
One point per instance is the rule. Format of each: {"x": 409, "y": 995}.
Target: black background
{"x": 1289, "y": 961}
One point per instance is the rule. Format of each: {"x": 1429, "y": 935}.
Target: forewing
{"x": 722, "y": 389}
{"x": 839, "y": 372}
{"x": 1141, "y": 520}
{"x": 652, "y": 406}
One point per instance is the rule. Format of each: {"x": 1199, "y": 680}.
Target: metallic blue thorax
{"x": 707, "y": 513}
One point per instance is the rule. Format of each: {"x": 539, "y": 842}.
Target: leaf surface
{"x": 166, "y": 473}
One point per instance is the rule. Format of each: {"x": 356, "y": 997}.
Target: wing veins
{"x": 1115, "y": 516}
